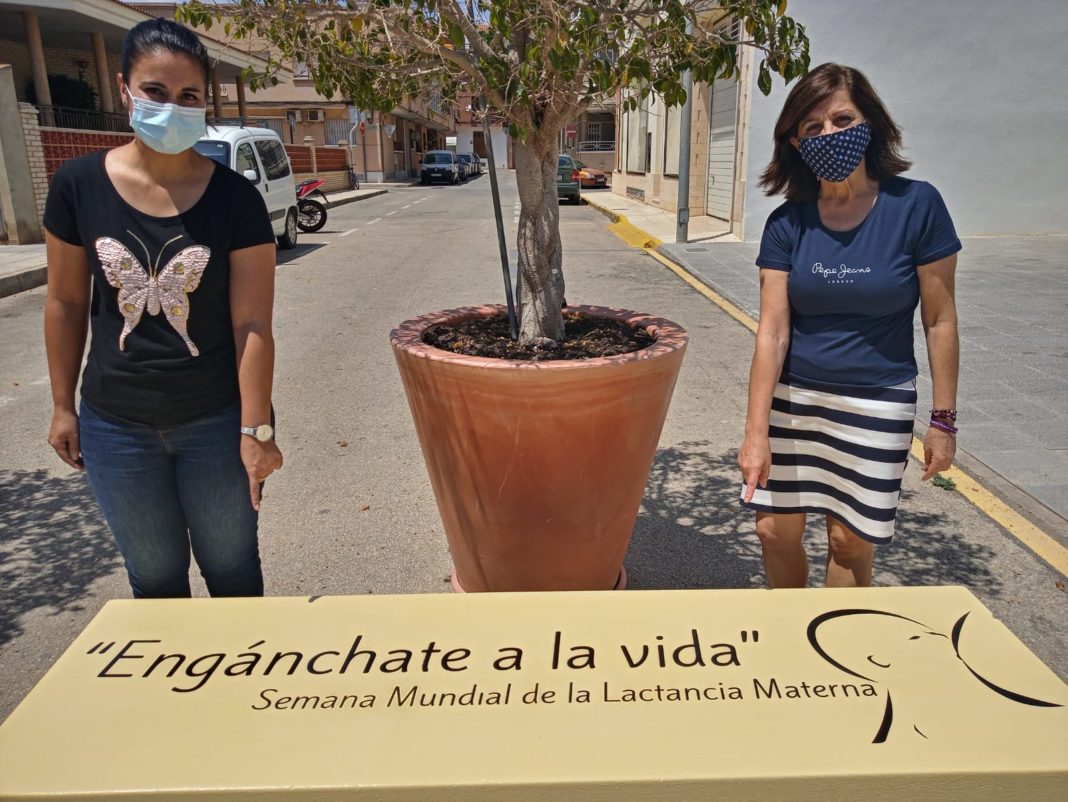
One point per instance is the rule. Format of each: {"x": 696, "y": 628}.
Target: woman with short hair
{"x": 844, "y": 262}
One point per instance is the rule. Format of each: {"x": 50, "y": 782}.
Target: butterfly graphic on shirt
{"x": 144, "y": 287}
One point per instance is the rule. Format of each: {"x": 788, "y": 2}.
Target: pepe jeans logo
{"x": 841, "y": 274}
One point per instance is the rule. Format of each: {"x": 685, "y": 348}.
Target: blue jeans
{"x": 164, "y": 491}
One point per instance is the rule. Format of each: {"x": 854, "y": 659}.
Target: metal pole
{"x": 512, "y": 325}
{"x": 363, "y": 143}
{"x": 682, "y": 216}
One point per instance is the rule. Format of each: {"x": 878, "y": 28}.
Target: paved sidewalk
{"x": 1012, "y": 301}
{"x": 353, "y": 195}
{"x": 657, "y": 223}
{"x": 23, "y": 267}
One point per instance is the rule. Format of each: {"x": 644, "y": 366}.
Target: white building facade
{"x": 975, "y": 86}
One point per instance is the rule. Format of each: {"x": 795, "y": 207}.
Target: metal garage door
{"x": 722, "y": 131}
{"x": 722, "y": 126}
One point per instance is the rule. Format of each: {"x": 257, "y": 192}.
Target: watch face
{"x": 264, "y": 433}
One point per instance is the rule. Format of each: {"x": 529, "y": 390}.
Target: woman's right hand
{"x": 63, "y": 437}
{"x": 754, "y": 458}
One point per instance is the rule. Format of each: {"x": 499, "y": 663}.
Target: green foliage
{"x": 541, "y": 64}
{"x": 944, "y": 482}
{"x": 68, "y": 92}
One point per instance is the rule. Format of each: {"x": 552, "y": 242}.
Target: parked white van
{"x": 257, "y": 153}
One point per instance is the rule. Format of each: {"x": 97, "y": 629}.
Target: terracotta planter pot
{"x": 538, "y": 467}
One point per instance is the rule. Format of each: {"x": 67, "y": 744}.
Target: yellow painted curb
{"x": 625, "y": 230}
{"x": 735, "y": 312}
{"x": 636, "y": 238}
{"x": 1044, "y": 546}
{"x": 632, "y": 235}
{"x": 1019, "y": 527}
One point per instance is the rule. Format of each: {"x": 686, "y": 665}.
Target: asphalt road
{"x": 352, "y": 511}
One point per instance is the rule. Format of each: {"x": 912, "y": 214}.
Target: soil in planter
{"x": 585, "y": 337}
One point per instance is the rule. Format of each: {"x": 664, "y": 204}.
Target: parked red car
{"x": 589, "y": 177}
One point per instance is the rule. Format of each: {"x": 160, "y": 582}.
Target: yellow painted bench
{"x": 889, "y": 694}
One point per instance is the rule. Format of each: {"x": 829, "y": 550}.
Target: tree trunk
{"x": 540, "y": 275}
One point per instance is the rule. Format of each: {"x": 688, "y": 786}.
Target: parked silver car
{"x": 439, "y": 165}
{"x": 474, "y": 166}
{"x": 467, "y": 164}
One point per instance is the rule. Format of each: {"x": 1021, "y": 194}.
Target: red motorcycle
{"x": 311, "y": 205}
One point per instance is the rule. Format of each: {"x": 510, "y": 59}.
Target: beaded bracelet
{"x": 945, "y": 427}
{"x": 944, "y": 414}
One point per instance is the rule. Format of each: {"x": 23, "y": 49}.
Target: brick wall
{"x": 60, "y": 144}
{"x": 331, "y": 159}
{"x": 35, "y": 155}
{"x": 332, "y": 181}
{"x": 18, "y": 56}
{"x": 300, "y": 158}
{"x": 47, "y": 148}
{"x": 312, "y": 159}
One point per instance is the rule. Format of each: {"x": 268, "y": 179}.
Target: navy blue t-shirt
{"x": 853, "y": 293}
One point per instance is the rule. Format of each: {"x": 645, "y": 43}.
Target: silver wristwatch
{"x": 263, "y": 432}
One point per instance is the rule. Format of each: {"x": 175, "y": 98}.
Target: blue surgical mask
{"x": 834, "y": 157}
{"x": 166, "y": 127}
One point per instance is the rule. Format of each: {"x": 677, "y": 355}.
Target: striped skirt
{"x": 839, "y": 451}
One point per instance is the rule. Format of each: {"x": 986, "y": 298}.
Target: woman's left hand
{"x": 938, "y": 450}
{"x": 260, "y": 461}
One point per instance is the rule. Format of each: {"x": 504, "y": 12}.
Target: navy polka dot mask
{"x": 834, "y": 157}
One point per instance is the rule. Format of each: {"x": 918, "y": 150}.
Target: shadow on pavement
{"x": 931, "y": 549}
{"x": 691, "y": 532}
{"x": 53, "y": 545}
{"x": 293, "y": 254}
{"x": 687, "y": 532}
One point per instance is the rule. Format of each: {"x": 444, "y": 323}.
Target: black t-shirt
{"x": 162, "y": 349}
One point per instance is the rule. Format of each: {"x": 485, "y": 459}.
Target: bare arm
{"x": 772, "y": 340}
{"x": 938, "y": 311}
{"x": 66, "y": 321}
{"x": 251, "y": 308}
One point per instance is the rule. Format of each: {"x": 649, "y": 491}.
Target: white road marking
{"x": 374, "y": 221}
{"x": 350, "y": 231}
{"x": 6, "y": 399}
{"x": 409, "y": 206}
{"x": 389, "y": 213}
{"x": 42, "y": 380}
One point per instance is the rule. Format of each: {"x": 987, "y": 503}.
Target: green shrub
{"x": 71, "y": 93}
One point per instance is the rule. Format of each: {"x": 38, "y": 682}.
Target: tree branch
{"x": 472, "y": 34}
{"x": 470, "y": 69}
